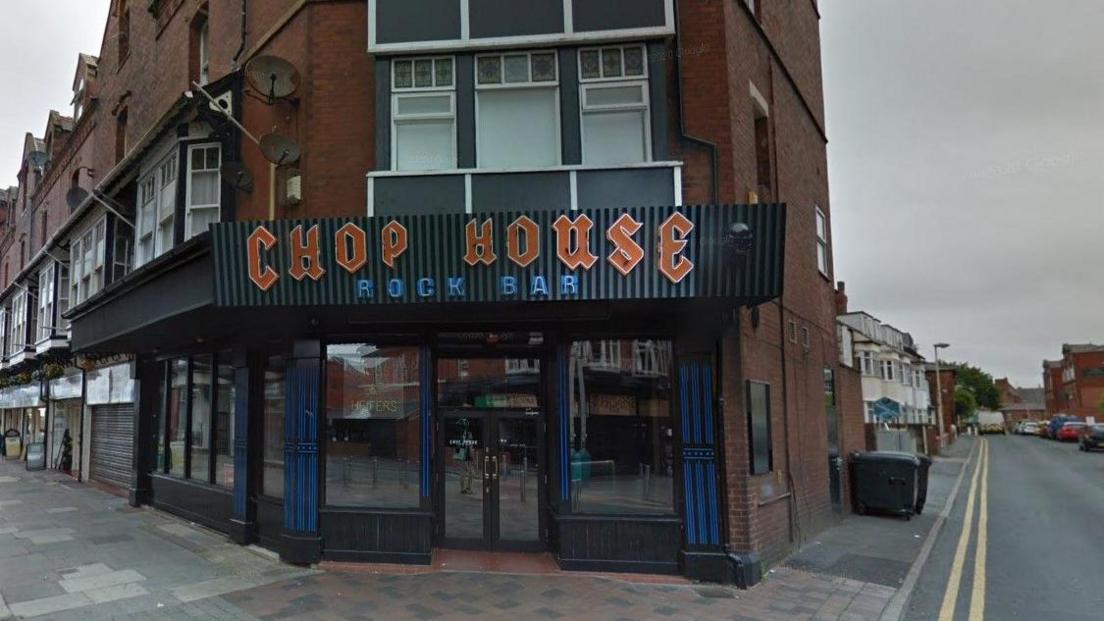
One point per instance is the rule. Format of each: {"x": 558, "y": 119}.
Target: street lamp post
{"x": 939, "y": 394}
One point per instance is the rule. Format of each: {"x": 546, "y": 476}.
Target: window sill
{"x": 774, "y": 499}
{"x": 500, "y": 171}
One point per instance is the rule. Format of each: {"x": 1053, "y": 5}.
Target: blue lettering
{"x": 427, "y": 287}
{"x": 539, "y": 286}
{"x": 509, "y": 285}
{"x": 569, "y": 284}
{"x": 366, "y": 288}
{"x": 396, "y": 288}
{"x": 456, "y": 286}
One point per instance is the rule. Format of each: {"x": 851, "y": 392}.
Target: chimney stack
{"x": 841, "y": 298}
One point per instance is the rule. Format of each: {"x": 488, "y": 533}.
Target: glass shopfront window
{"x": 177, "y": 414}
{"x": 621, "y": 428}
{"x": 224, "y": 422}
{"x": 201, "y": 419}
{"x": 272, "y": 477}
{"x": 373, "y": 425}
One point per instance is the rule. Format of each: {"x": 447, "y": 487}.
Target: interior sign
{"x": 633, "y": 253}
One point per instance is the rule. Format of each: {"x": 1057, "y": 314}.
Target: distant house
{"x": 1020, "y": 403}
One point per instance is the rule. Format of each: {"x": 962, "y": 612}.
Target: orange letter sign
{"x": 351, "y": 247}
{"x": 672, "y": 241}
{"x": 306, "y": 256}
{"x": 480, "y": 243}
{"x": 627, "y": 254}
{"x": 523, "y": 226}
{"x": 394, "y": 242}
{"x": 573, "y": 242}
{"x": 262, "y": 275}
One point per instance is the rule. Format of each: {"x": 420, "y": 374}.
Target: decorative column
{"x": 302, "y": 543}
{"x": 243, "y": 518}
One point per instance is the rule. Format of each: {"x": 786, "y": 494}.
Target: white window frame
{"x": 586, "y": 85}
{"x": 553, "y": 85}
{"x": 84, "y": 284}
{"x": 19, "y": 323}
{"x": 412, "y": 91}
{"x": 46, "y": 299}
{"x": 889, "y": 370}
{"x": 822, "y": 242}
{"x": 5, "y": 332}
{"x": 188, "y": 207}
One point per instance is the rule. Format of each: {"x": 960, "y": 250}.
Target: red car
{"x": 1070, "y": 432}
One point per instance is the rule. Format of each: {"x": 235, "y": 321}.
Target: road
{"x": 1034, "y": 548}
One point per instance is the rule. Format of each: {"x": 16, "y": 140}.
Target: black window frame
{"x": 753, "y": 466}
{"x": 162, "y": 419}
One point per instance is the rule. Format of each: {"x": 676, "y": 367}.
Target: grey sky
{"x": 39, "y": 43}
{"x": 966, "y": 144}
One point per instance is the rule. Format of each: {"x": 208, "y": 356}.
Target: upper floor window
{"x": 156, "y": 211}
{"x": 18, "y": 340}
{"x": 423, "y": 117}
{"x": 889, "y": 370}
{"x": 864, "y": 361}
{"x": 204, "y": 52}
{"x": 46, "y": 301}
{"x": 616, "y": 126}
{"x": 822, "y": 241}
{"x": 204, "y": 191}
{"x": 78, "y": 100}
{"x": 764, "y": 172}
{"x": 86, "y": 261}
{"x": 123, "y": 15}
{"x": 517, "y": 110}
{"x": 5, "y": 332}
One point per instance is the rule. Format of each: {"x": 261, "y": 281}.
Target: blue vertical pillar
{"x": 242, "y": 517}
{"x": 302, "y": 543}
{"x": 703, "y": 556}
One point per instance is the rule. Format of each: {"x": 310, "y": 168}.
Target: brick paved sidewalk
{"x": 68, "y": 551}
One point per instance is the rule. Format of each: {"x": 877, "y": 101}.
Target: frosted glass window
{"x": 518, "y": 128}
{"x": 614, "y": 138}
{"x": 424, "y": 145}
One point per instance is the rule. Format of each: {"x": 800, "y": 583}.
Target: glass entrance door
{"x": 491, "y": 451}
{"x": 492, "y": 479}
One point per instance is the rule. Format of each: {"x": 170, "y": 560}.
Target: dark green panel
{"x": 437, "y": 244}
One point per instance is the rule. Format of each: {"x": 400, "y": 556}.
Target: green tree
{"x": 965, "y": 403}
{"x": 979, "y": 383}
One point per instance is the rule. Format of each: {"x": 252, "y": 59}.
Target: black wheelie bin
{"x": 886, "y": 482}
{"x": 922, "y": 482}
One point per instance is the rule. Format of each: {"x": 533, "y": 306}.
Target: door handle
{"x": 494, "y": 465}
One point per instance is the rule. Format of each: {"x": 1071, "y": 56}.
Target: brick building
{"x": 407, "y": 210}
{"x": 1020, "y": 404}
{"x": 1075, "y": 384}
{"x": 948, "y": 376}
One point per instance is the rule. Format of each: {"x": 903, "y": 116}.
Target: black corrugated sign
{"x": 710, "y": 251}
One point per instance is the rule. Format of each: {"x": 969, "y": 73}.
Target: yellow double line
{"x": 954, "y": 583}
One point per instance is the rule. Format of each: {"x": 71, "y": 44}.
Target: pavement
{"x": 69, "y": 551}
{"x": 1036, "y": 511}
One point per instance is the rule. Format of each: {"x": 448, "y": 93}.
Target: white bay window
{"x": 156, "y": 219}
{"x": 18, "y": 339}
{"x": 204, "y": 190}
{"x": 46, "y": 303}
{"x": 86, "y": 260}
{"x": 423, "y": 114}
{"x": 616, "y": 123}
{"x": 517, "y": 109}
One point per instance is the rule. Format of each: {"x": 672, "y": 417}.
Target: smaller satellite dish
{"x": 38, "y": 158}
{"x": 272, "y": 76}
{"x": 75, "y": 197}
{"x": 279, "y": 149}
{"x": 237, "y": 175}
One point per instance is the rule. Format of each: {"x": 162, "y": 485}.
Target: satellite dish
{"x": 279, "y": 149}
{"x": 237, "y": 176}
{"x": 38, "y": 158}
{"x": 272, "y": 76}
{"x": 75, "y": 197}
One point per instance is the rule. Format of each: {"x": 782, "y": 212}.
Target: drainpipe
{"x": 241, "y": 48}
{"x": 710, "y": 147}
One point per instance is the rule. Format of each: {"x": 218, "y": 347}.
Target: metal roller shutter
{"x": 112, "y": 443}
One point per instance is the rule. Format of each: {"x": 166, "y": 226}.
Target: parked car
{"x": 1056, "y": 423}
{"x": 1070, "y": 431}
{"x": 991, "y": 422}
{"x": 1092, "y": 437}
{"x": 1042, "y": 431}
{"x": 1029, "y": 428}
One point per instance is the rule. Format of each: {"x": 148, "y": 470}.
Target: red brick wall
{"x": 723, "y": 52}
{"x": 947, "y": 378}
{"x": 852, "y": 432}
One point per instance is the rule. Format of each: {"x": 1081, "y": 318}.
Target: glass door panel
{"x": 465, "y": 459}
{"x": 518, "y": 483}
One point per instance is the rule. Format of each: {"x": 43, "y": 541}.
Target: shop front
{"x": 371, "y": 389}
{"x": 66, "y": 413}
